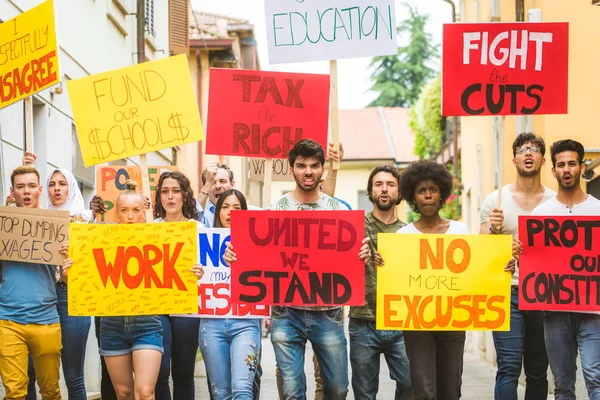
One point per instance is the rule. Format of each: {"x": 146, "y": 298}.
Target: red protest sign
{"x": 307, "y": 258}
{"x": 263, "y": 114}
{"x": 559, "y": 269}
{"x": 505, "y": 68}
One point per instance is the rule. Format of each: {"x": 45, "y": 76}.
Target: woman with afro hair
{"x": 426, "y": 185}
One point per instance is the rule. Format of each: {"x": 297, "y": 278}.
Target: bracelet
{"x": 329, "y": 177}
{"x": 494, "y": 232}
{"x": 203, "y": 192}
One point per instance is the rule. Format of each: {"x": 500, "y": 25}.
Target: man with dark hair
{"x": 523, "y": 345}
{"x": 29, "y": 321}
{"x": 292, "y": 326}
{"x": 367, "y": 344}
{"x": 567, "y": 332}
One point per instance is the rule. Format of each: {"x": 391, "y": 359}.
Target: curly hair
{"x": 529, "y": 138}
{"x": 190, "y": 211}
{"x": 420, "y": 171}
{"x": 243, "y": 204}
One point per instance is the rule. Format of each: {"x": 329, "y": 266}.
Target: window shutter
{"x": 179, "y": 27}
{"x": 150, "y": 17}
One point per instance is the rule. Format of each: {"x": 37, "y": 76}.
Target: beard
{"x": 317, "y": 179}
{"x": 574, "y": 182}
{"x": 385, "y": 206}
{"x": 528, "y": 173}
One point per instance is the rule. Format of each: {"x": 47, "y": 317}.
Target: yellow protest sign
{"x": 135, "y": 110}
{"x": 443, "y": 282}
{"x": 133, "y": 269}
{"x": 28, "y": 54}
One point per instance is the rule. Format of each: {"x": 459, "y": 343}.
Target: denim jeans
{"x": 75, "y": 331}
{"x": 180, "y": 341}
{"x": 291, "y": 328}
{"x": 124, "y": 335}
{"x": 436, "y": 363}
{"x": 231, "y": 349}
{"x": 524, "y": 346}
{"x": 567, "y": 332}
{"x": 366, "y": 346}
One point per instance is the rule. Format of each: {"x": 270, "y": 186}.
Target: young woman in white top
{"x": 426, "y": 185}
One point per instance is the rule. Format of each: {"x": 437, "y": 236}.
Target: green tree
{"x": 425, "y": 119}
{"x": 399, "y": 79}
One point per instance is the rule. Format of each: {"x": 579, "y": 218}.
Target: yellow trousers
{"x": 44, "y": 343}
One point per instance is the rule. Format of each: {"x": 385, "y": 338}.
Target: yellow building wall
{"x": 579, "y": 124}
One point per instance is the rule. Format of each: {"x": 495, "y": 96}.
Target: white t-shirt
{"x": 553, "y": 207}
{"x": 511, "y": 215}
{"x": 456, "y": 228}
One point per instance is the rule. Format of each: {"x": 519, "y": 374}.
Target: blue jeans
{"x": 366, "y": 346}
{"x": 74, "y": 331}
{"x": 123, "y": 335}
{"x": 524, "y": 346}
{"x": 231, "y": 349}
{"x": 567, "y": 332}
{"x": 290, "y": 329}
{"x": 180, "y": 341}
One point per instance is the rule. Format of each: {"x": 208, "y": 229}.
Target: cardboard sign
{"x": 315, "y": 30}
{"x": 263, "y": 114}
{"x": 559, "y": 269}
{"x": 307, "y": 258}
{"x": 214, "y": 289}
{"x": 33, "y": 235}
{"x": 110, "y": 181}
{"x": 281, "y": 170}
{"x": 135, "y": 110}
{"x": 133, "y": 269}
{"x": 505, "y": 68}
{"x": 28, "y": 54}
{"x": 443, "y": 282}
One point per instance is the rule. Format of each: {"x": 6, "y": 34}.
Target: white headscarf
{"x": 74, "y": 203}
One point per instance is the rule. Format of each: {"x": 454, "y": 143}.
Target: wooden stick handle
{"x": 334, "y": 112}
{"x": 268, "y": 179}
{"x": 146, "y": 184}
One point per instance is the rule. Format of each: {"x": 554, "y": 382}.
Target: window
{"x": 150, "y": 17}
{"x": 178, "y": 27}
{"x": 363, "y": 201}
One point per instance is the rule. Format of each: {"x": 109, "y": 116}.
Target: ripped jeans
{"x": 231, "y": 349}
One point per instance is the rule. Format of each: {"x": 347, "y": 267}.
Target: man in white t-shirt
{"x": 567, "y": 332}
{"x": 524, "y": 343}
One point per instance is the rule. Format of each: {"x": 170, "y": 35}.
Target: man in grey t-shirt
{"x": 524, "y": 343}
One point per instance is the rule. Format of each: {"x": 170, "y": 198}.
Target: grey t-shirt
{"x": 511, "y": 215}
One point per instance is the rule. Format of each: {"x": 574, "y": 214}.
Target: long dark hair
{"x": 227, "y": 193}
{"x": 189, "y": 209}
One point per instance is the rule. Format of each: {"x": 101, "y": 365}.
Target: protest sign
{"x": 315, "y": 30}
{"x": 505, "y": 68}
{"x": 133, "y": 269}
{"x": 559, "y": 269}
{"x": 135, "y": 110}
{"x": 281, "y": 170}
{"x": 32, "y": 235}
{"x": 214, "y": 289}
{"x": 28, "y": 54}
{"x": 443, "y": 282}
{"x": 307, "y": 258}
{"x": 110, "y": 181}
{"x": 263, "y": 114}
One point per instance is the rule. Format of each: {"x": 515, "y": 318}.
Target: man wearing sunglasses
{"x": 523, "y": 345}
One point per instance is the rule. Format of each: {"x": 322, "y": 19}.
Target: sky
{"x": 353, "y": 74}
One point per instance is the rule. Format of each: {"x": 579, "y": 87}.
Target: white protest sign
{"x": 214, "y": 298}
{"x": 315, "y": 30}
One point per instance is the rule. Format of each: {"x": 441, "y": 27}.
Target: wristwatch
{"x": 494, "y": 232}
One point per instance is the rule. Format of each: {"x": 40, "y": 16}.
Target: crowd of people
{"x": 139, "y": 354}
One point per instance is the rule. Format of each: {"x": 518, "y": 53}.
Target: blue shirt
{"x": 28, "y": 293}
